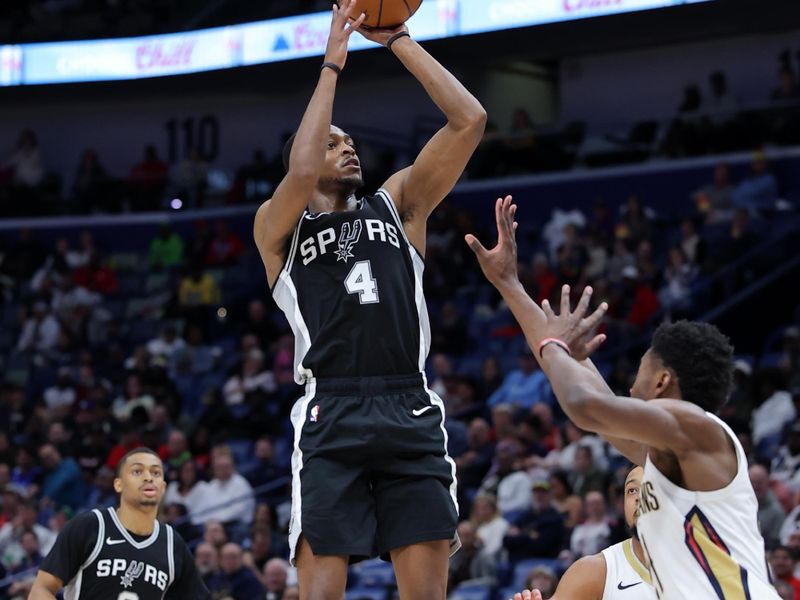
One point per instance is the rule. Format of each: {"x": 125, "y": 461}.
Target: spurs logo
{"x": 347, "y": 239}
{"x": 134, "y": 571}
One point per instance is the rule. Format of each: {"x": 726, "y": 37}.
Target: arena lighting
{"x": 277, "y": 40}
{"x": 176, "y": 204}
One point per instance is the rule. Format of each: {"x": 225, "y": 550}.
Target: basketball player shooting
{"x": 124, "y": 553}
{"x": 698, "y": 512}
{"x": 617, "y": 573}
{"x": 371, "y": 475}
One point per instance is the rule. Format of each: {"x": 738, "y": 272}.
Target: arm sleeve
{"x": 73, "y": 546}
{"x": 188, "y": 583}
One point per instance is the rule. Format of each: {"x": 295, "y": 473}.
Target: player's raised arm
{"x": 419, "y": 188}
{"x": 277, "y": 218}
{"x": 45, "y": 587}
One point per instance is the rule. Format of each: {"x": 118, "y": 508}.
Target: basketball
{"x": 386, "y": 13}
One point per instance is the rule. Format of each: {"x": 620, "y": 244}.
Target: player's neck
{"x": 638, "y": 550}
{"x": 332, "y": 202}
{"x": 140, "y": 521}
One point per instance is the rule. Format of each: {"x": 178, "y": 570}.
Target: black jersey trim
{"x": 387, "y": 198}
{"x": 138, "y": 545}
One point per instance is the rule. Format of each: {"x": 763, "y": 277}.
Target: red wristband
{"x": 546, "y": 342}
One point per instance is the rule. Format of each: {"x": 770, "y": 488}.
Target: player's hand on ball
{"x": 528, "y": 595}
{"x": 336, "y": 52}
{"x": 575, "y": 328}
{"x": 381, "y": 35}
{"x": 499, "y": 264}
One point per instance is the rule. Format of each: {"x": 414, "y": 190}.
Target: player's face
{"x": 342, "y": 166}
{"x": 632, "y": 484}
{"x": 141, "y": 481}
{"x": 647, "y": 383}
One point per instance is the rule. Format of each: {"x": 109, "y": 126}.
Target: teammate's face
{"x": 141, "y": 481}
{"x": 632, "y": 484}
{"x": 342, "y": 167}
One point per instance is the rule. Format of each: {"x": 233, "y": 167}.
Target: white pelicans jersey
{"x": 626, "y": 577}
{"x": 704, "y": 545}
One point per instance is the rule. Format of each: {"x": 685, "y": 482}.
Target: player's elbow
{"x": 583, "y": 402}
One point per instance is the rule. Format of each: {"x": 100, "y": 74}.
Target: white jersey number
{"x": 360, "y": 281}
{"x": 128, "y": 596}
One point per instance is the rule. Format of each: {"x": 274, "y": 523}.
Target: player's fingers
{"x": 515, "y": 226}
{"x": 548, "y": 310}
{"x": 593, "y": 320}
{"x": 564, "y": 301}
{"x": 475, "y": 245}
{"x": 583, "y": 303}
{"x": 595, "y": 343}
{"x": 507, "y": 216}
{"x": 356, "y": 24}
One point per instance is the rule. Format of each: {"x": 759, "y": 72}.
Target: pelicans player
{"x": 616, "y": 573}
{"x": 698, "y": 513}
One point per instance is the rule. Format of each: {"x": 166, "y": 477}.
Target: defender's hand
{"x": 575, "y": 328}
{"x": 336, "y": 52}
{"x": 380, "y": 35}
{"x": 528, "y": 595}
{"x": 499, "y": 264}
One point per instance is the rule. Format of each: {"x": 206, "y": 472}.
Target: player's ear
{"x": 118, "y": 485}
{"x": 663, "y": 382}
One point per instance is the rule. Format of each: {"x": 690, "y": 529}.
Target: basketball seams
{"x": 380, "y": 12}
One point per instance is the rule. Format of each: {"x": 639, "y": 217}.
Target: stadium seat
{"x": 524, "y": 567}
{"x": 472, "y": 591}
{"x": 365, "y": 594}
{"x": 376, "y": 574}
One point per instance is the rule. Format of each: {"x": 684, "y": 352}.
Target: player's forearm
{"x": 308, "y": 149}
{"x": 39, "y": 592}
{"x": 460, "y": 107}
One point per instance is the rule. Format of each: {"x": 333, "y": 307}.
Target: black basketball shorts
{"x": 370, "y": 470}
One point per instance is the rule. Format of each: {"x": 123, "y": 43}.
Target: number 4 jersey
{"x": 98, "y": 559}
{"x": 351, "y": 288}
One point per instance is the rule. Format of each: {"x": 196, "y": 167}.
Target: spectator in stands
{"x": 63, "y": 483}
{"x": 26, "y": 472}
{"x": 783, "y": 562}
{"x": 26, "y": 160}
{"x": 102, "y": 493}
{"x": 228, "y": 496}
{"x": 464, "y": 564}
{"x": 679, "y": 275}
{"x": 234, "y": 579}
{"x": 636, "y": 222}
{"x": 714, "y": 200}
{"x": 770, "y": 512}
{"x": 188, "y": 489}
{"x": 542, "y": 279}
{"x": 539, "y": 531}
{"x": 450, "y": 337}
{"x": 264, "y": 469}
{"x": 775, "y": 412}
{"x": 147, "y": 180}
{"x": 97, "y": 276}
{"x": 787, "y": 87}
{"x": 225, "y": 248}
{"x": 260, "y": 550}
{"x": 292, "y": 593}
{"x": 40, "y": 331}
{"x": 61, "y": 396}
{"x": 591, "y": 536}
{"x": 786, "y": 462}
{"x": 488, "y": 523}
{"x": 91, "y": 184}
{"x": 198, "y": 289}
{"x": 475, "y": 462}
{"x": 206, "y": 558}
{"x": 132, "y": 398}
{"x": 620, "y": 258}
{"x": 214, "y": 533}
{"x": 565, "y": 501}
{"x": 585, "y": 477}
{"x": 254, "y": 383}
{"x": 30, "y": 562}
{"x": 189, "y": 179}
{"x": 506, "y": 482}
{"x": 129, "y": 440}
{"x": 259, "y": 322}
{"x": 177, "y": 451}
{"x": 646, "y": 263}
{"x": 167, "y": 344}
{"x": 12, "y": 552}
{"x": 692, "y": 244}
{"x": 524, "y": 387}
{"x": 542, "y": 578}
{"x": 572, "y": 256}
{"x": 759, "y": 190}
{"x": 785, "y": 590}
{"x": 275, "y": 576}
{"x": 639, "y": 303}
{"x": 177, "y": 515}
{"x": 721, "y": 100}
{"x": 166, "y": 249}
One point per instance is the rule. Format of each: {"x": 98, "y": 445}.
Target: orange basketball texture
{"x": 386, "y": 13}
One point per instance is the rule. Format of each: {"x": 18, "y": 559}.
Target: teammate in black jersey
{"x": 124, "y": 553}
{"x": 371, "y": 475}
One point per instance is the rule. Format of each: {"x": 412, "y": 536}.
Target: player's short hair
{"x": 702, "y": 358}
{"x": 141, "y": 450}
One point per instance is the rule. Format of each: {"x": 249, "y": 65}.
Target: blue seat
{"x": 524, "y": 567}
{"x": 506, "y": 593}
{"x": 376, "y": 574}
{"x": 365, "y": 594}
{"x": 472, "y": 591}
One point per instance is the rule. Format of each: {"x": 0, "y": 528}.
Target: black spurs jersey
{"x": 351, "y": 288}
{"x": 98, "y": 559}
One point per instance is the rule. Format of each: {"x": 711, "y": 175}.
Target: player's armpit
{"x": 585, "y": 579}
{"x": 45, "y": 587}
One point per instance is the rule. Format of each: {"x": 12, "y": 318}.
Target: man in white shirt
{"x": 591, "y": 536}
{"x": 40, "y": 331}
{"x": 228, "y": 497}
